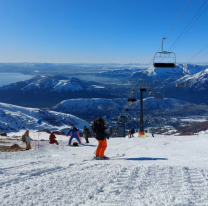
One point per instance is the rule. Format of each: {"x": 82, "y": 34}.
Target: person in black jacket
{"x": 132, "y": 132}
{"x": 98, "y": 127}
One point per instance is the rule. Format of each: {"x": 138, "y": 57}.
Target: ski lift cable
{"x": 177, "y": 40}
{"x": 171, "y": 29}
{"x": 183, "y": 70}
{"x": 188, "y": 24}
{"x": 197, "y": 54}
{"x": 161, "y": 45}
{"x": 190, "y": 28}
{"x": 169, "y": 33}
{"x": 164, "y": 40}
{"x": 164, "y": 81}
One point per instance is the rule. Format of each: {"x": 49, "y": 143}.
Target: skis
{"x": 108, "y": 158}
{"x": 115, "y": 157}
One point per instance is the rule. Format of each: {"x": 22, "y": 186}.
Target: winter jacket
{"x": 132, "y": 131}
{"x": 52, "y": 138}
{"x": 73, "y": 132}
{"x": 101, "y": 135}
{"x": 86, "y": 132}
{"x": 27, "y": 139}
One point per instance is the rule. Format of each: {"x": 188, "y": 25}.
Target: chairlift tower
{"x": 124, "y": 124}
{"x": 142, "y": 87}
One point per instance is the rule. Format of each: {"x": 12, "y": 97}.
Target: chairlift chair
{"x": 127, "y": 109}
{"x": 158, "y": 96}
{"x": 180, "y": 85}
{"x": 131, "y": 99}
{"x": 170, "y": 59}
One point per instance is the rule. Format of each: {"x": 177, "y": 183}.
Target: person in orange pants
{"x": 98, "y": 127}
{"x": 102, "y": 145}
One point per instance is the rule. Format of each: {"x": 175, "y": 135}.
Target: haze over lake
{"x": 8, "y": 78}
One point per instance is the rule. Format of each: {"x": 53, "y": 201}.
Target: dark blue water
{"x": 8, "y": 78}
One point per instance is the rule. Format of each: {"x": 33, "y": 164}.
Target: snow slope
{"x": 15, "y": 118}
{"x": 165, "y": 170}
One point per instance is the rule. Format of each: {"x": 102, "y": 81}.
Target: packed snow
{"x": 164, "y": 170}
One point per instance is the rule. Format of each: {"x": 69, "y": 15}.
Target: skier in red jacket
{"x": 52, "y": 139}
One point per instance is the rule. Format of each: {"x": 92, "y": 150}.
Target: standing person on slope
{"x": 132, "y": 131}
{"x": 86, "y": 133}
{"x": 152, "y": 132}
{"x": 27, "y": 140}
{"x": 74, "y": 134}
{"x": 98, "y": 127}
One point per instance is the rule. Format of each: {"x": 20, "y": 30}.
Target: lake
{"x": 8, "y": 78}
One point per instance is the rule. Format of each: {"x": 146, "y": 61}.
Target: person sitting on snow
{"x": 52, "y": 139}
{"x": 74, "y": 134}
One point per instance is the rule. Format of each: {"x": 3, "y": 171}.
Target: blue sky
{"x": 99, "y": 31}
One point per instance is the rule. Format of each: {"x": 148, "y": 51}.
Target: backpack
{"x": 23, "y": 138}
{"x": 75, "y": 144}
{"x": 98, "y": 125}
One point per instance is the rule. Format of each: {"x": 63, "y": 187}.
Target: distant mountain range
{"x": 107, "y": 81}
{"x": 89, "y": 109}
{"x": 46, "y": 91}
{"x": 79, "y": 112}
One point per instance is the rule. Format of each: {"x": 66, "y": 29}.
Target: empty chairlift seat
{"x": 180, "y": 85}
{"x": 164, "y": 60}
{"x": 158, "y": 96}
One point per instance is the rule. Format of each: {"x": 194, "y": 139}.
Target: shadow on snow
{"x": 144, "y": 158}
{"x": 89, "y": 145}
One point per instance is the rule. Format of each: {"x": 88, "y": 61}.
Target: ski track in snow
{"x": 58, "y": 176}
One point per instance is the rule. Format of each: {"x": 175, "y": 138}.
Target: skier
{"x": 86, "y": 133}
{"x": 152, "y": 132}
{"x": 74, "y": 134}
{"x": 27, "y": 140}
{"x": 52, "y": 139}
{"x": 132, "y": 131}
{"x": 98, "y": 127}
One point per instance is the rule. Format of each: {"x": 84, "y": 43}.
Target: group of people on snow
{"x": 98, "y": 127}
{"x": 131, "y": 132}
{"x": 73, "y": 133}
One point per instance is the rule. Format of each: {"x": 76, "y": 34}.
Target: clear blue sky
{"x": 99, "y": 31}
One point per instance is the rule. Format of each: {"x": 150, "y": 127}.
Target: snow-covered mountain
{"x": 14, "y": 118}
{"x": 90, "y": 109}
{"x": 197, "y": 82}
{"x": 195, "y": 87}
{"x": 45, "y": 91}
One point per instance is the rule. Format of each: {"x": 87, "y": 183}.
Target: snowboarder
{"x": 86, "y": 133}
{"x": 74, "y": 134}
{"x": 132, "y": 132}
{"x": 27, "y": 140}
{"x": 52, "y": 139}
{"x": 152, "y": 132}
{"x": 98, "y": 127}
